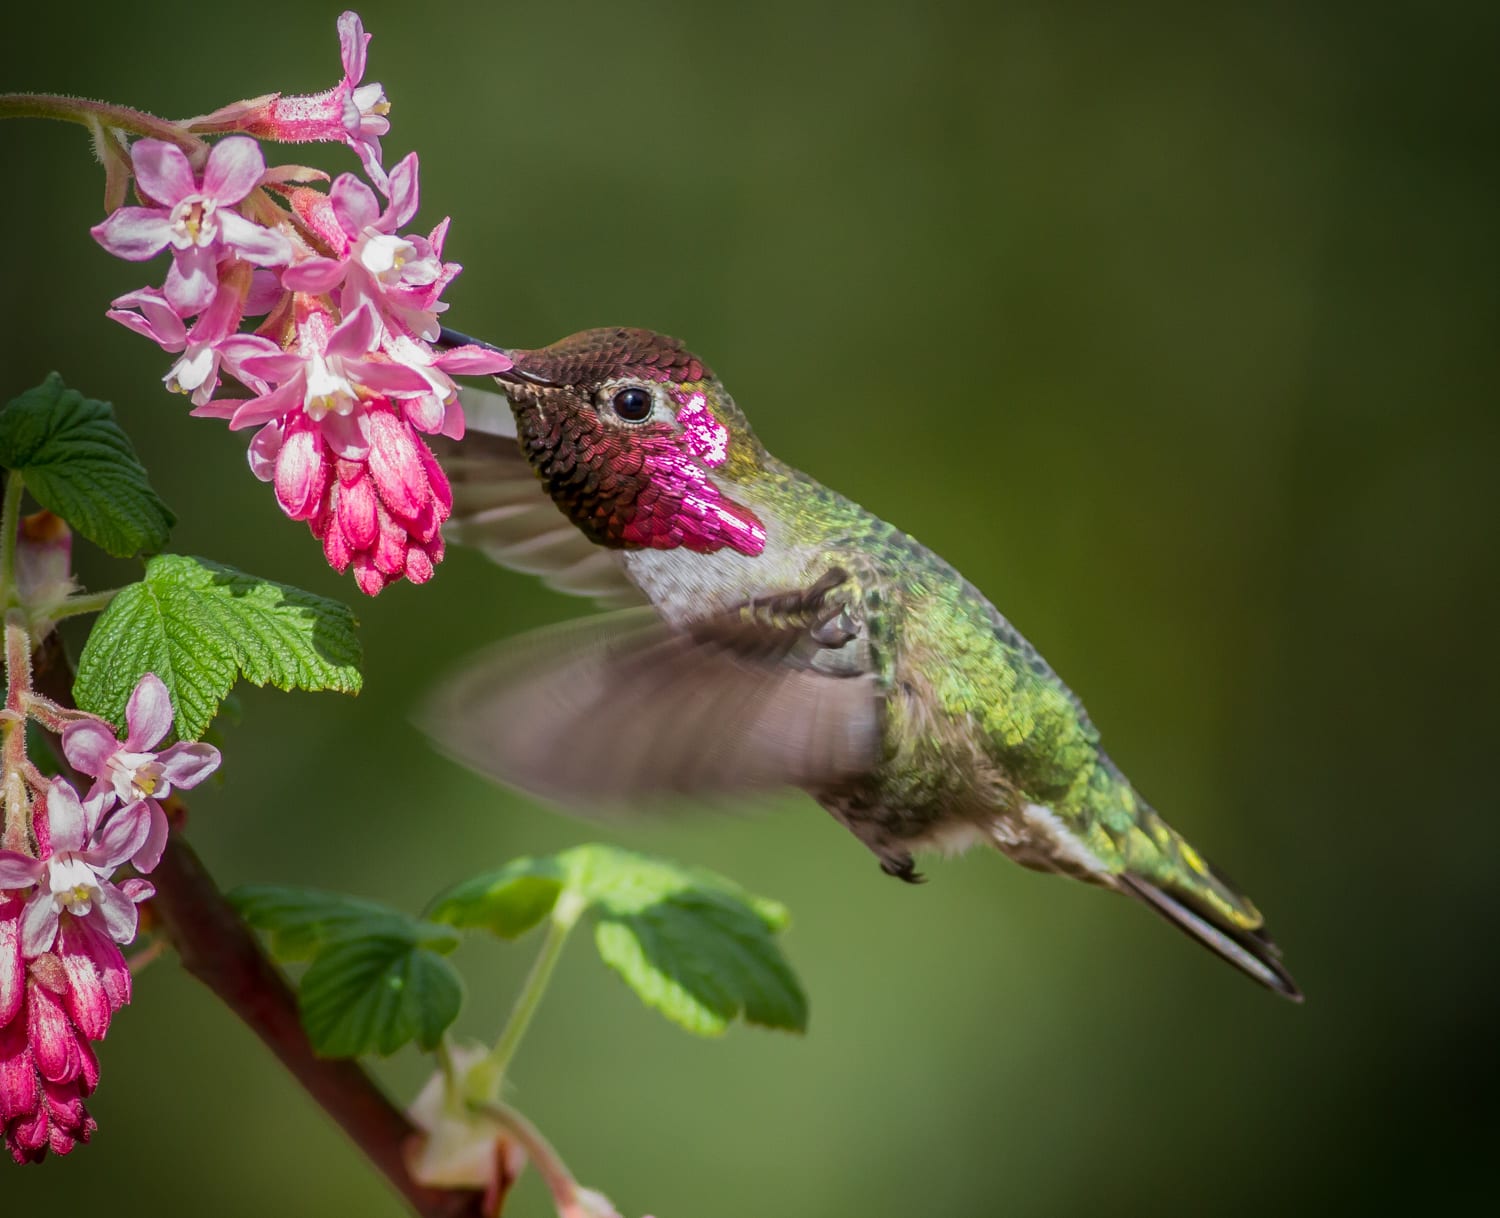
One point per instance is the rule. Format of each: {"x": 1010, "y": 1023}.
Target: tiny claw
{"x": 903, "y": 868}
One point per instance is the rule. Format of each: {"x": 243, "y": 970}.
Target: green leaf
{"x": 198, "y": 626}
{"x": 302, "y": 920}
{"x": 373, "y": 994}
{"x": 79, "y": 465}
{"x": 377, "y": 977}
{"x": 692, "y": 944}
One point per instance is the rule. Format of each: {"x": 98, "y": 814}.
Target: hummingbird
{"x": 767, "y": 632}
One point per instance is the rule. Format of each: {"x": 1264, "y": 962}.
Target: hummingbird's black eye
{"x": 633, "y": 404}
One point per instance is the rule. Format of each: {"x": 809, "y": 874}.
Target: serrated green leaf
{"x": 374, "y": 994}
{"x": 508, "y": 902}
{"x": 303, "y": 920}
{"x": 199, "y": 625}
{"x": 79, "y": 465}
{"x": 691, "y": 943}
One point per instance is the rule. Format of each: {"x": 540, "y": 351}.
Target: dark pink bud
{"x": 395, "y": 464}
{"x": 301, "y": 470}
{"x": 356, "y": 513}
{"x": 98, "y": 978}
{"x": 369, "y": 580}
{"x": 390, "y": 547}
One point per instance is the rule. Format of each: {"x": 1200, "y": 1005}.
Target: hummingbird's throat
{"x": 646, "y": 486}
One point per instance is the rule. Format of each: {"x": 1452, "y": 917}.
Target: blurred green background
{"x": 1172, "y": 326}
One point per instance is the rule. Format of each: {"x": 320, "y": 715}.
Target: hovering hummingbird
{"x": 788, "y": 638}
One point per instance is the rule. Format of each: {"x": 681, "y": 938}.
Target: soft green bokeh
{"x": 1173, "y": 326}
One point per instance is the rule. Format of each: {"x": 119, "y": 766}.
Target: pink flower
{"x": 72, "y": 875}
{"x": 196, "y": 217}
{"x": 212, "y": 345}
{"x": 44, "y": 568}
{"x": 349, "y": 113}
{"x": 51, "y": 1006}
{"x": 381, "y": 513}
{"x": 131, "y": 772}
{"x": 401, "y": 276}
{"x": 333, "y": 370}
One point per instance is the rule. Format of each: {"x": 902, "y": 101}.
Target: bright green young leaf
{"x": 692, "y": 944}
{"x": 79, "y": 465}
{"x": 198, "y": 626}
{"x": 377, "y": 977}
{"x": 374, "y": 994}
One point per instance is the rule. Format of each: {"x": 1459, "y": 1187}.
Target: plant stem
{"x": 10, "y": 524}
{"x": 84, "y": 602}
{"x": 93, "y": 114}
{"x": 564, "y": 916}
{"x": 560, "y": 1182}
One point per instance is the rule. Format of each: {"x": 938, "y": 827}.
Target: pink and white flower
{"x": 131, "y": 771}
{"x": 72, "y": 875}
{"x": 195, "y": 217}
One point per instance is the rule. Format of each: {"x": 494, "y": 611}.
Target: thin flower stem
{"x": 10, "y": 524}
{"x": 93, "y": 114}
{"x": 86, "y": 602}
{"x": 559, "y": 1179}
{"x": 564, "y": 917}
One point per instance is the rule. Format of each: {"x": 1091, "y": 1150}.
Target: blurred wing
{"x": 619, "y": 708}
{"x": 500, "y": 508}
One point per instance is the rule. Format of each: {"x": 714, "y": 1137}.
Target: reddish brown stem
{"x": 217, "y": 948}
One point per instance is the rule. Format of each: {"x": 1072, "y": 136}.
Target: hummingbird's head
{"x": 636, "y": 441}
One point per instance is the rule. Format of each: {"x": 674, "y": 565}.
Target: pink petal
{"x": 442, "y": 493}
{"x": 265, "y": 293}
{"x": 88, "y": 746}
{"x": 301, "y": 472}
{"x": 54, "y": 1043}
{"x": 315, "y": 275}
{"x": 356, "y": 514}
{"x": 137, "y": 889}
{"x": 134, "y": 233}
{"x": 234, "y": 168}
{"x": 192, "y": 279}
{"x": 386, "y": 377}
{"x": 356, "y": 334}
{"x": 38, "y": 924}
{"x": 348, "y": 435}
{"x": 163, "y": 172}
{"x": 12, "y": 970}
{"x": 118, "y": 912}
{"x": 472, "y": 360}
{"x": 438, "y": 236}
{"x": 19, "y": 870}
{"x": 275, "y": 365}
{"x": 354, "y": 204}
{"x": 401, "y": 189}
{"x": 263, "y": 450}
{"x": 419, "y": 568}
{"x": 425, "y": 413}
{"x": 149, "y": 854}
{"x": 148, "y": 714}
{"x": 186, "y": 765}
{"x": 19, "y": 1093}
{"x": 89, "y": 1001}
{"x": 395, "y": 465}
{"x": 160, "y": 316}
{"x": 66, "y": 821}
{"x": 124, "y": 833}
{"x": 352, "y": 43}
{"x": 254, "y": 242}
{"x": 269, "y": 406}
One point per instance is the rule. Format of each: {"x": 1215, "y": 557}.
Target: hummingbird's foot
{"x": 903, "y": 868}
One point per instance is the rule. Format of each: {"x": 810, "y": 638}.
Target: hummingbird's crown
{"x": 592, "y": 357}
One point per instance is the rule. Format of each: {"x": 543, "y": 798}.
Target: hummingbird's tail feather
{"x": 1249, "y": 949}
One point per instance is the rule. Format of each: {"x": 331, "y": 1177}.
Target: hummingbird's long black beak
{"x": 517, "y": 375}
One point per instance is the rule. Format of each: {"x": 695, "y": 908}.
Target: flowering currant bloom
{"x": 51, "y": 1006}
{"x": 72, "y": 874}
{"x": 212, "y": 345}
{"x": 349, "y": 113}
{"x": 131, "y": 772}
{"x": 401, "y": 276}
{"x": 196, "y": 217}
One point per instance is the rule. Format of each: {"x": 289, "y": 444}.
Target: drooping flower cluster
{"x": 64, "y": 917}
{"x": 342, "y": 370}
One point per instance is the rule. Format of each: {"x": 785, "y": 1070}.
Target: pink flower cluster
{"x": 342, "y": 372}
{"x": 63, "y": 917}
